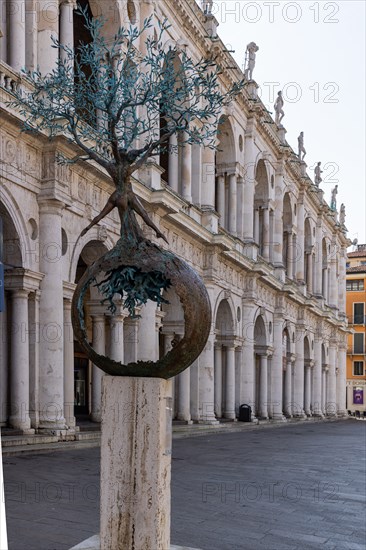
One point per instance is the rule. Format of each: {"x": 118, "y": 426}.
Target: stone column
{"x": 248, "y": 375}
{"x": 218, "y": 380}
{"x": 207, "y": 382}
{"x": 116, "y": 337}
{"x": 232, "y": 204}
{"x": 135, "y": 477}
{"x": 317, "y": 377}
{"x": 51, "y": 352}
{"x": 331, "y": 406}
{"x": 68, "y": 366}
{"x": 67, "y": 25}
{"x": 325, "y": 284}
{"x": 277, "y": 369}
{"x": 130, "y": 339}
{"x": 4, "y": 370}
{"x": 309, "y": 259}
{"x": 34, "y": 338}
{"x": 265, "y": 236}
{"x": 298, "y": 403}
{"x": 187, "y": 170}
{"x": 31, "y": 32}
{"x": 147, "y": 346}
{"x": 174, "y": 164}
{"x": 299, "y": 253}
{"x": 230, "y": 384}
{"x": 208, "y": 179}
{"x": 249, "y": 179}
{"x": 333, "y": 284}
{"x": 288, "y": 388}
{"x": 324, "y": 389}
{"x": 341, "y": 387}
{"x": 307, "y": 390}
{"x": 221, "y": 199}
{"x": 240, "y": 208}
{"x": 256, "y": 226}
{"x": 278, "y": 222}
{"x": 48, "y": 26}
{"x": 98, "y": 327}
{"x": 263, "y": 387}
{"x": 19, "y": 391}
{"x": 341, "y": 281}
{"x": 4, "y": 41}
{"x": 319, "y": 259}
{"x": 184, "y": 395}
{"x": 16, "y": 14}
{"x": 290, "y": 255}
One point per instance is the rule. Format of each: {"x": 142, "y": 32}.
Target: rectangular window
{"x": 358, "y": 343}
{"x": 358, "y": 368}
{"x": 359, "y": 314}
{"x": 355, "y": 284}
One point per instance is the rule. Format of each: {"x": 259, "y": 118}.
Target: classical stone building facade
{"x": 248, "y": 218}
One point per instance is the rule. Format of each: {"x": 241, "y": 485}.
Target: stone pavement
{"x": 284, "y": 487}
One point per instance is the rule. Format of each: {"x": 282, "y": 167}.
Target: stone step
{"x": 22, "y": 440}
{"x": 59, "y": 446}
{"x": 87, "y": 436}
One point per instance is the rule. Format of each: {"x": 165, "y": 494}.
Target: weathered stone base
{"x": 94, "y": 544}
{"x": 135, "y": 463}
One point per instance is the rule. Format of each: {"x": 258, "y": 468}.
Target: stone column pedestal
{"x": 135, "y": 463}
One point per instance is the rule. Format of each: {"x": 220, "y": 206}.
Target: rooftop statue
{"x": 300, "y": 142}
{"x": 278, "y": 107}
{"x": 317, "y": 174}
{"x": 333, "y": 200}
{"x": 250, "y": 55}
{"x": 342, "y": 214}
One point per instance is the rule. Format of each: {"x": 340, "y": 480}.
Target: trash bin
{"x": 245, "y": 413}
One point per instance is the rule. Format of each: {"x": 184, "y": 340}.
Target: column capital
{"x": 71, "y": 3}
{"x": 49, "y": 205}
{"x": 20, "y": 293}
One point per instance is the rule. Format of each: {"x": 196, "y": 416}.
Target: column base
{"x": 188, "y": 422}
{"x": 96, "y": 417}
{"x": 94, "y": 544}
{"x": 25, "y": 427}
{"x": 279, "y": 418}
{"x": 230, "y": 416}
{"x": 342, "y": 414}
{"x": 209, "y": 422}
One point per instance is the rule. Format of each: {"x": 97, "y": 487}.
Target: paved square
{"x": 290, "y": 487}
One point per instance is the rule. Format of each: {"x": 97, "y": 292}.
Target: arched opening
{"x": 288, "y": 245}
{"x": 263, "y": 215}
{"x": 170, "y": 333}
{"x": 16, "y": 323}
{"x": 261, "y": 376}
{"x": 83, "y": 36}
{"x": 103, "y": 336}
{"x": 224, "y": 374}
{"x": 176, "y": 160}
{"x": 226, "y": 180}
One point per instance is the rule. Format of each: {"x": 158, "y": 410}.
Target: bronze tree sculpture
{"x": 120, "y": 107}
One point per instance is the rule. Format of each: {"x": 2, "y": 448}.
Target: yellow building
{"x": 356, "y": 303}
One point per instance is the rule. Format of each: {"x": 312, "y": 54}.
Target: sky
{"x": 315, "y": 53}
